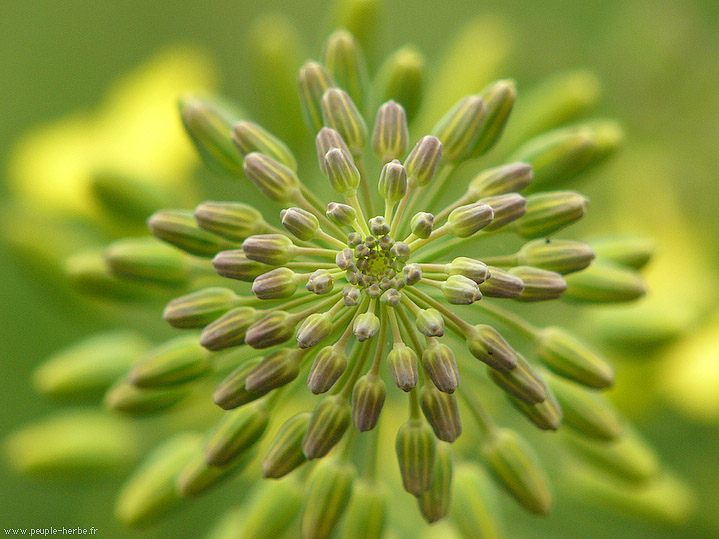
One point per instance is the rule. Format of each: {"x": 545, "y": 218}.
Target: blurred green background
{"x": 659, "y": 67}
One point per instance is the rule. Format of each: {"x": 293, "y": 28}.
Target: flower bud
{"x": 391, "y": 297}
{"x": 179, "y": 360}
{"x": 368, "y": 397}
{"x": 209, "y": 126}
{"x": 342, "y": 173}
{"x": 416, "y": 452}
{"x": 466, "y": 220}
{"x": 604, "y": 282}
{"x": 276, "y": 181}
{"x": 379, "y": 226}
{"x": 393, "y": 182}
{"x": 344, "y": 59}
{"x": 127, "y": 398}
{"x": 430, "y": 322}
{"x": 275, "y": 370}
{"x": 459, "y": 290}
{"x": 197, "y": 477}
{"x": 422, "y": 224}
{"x": 328, "y": 366}
{"x": 501, "y": 284}
{"x": 522, "y": 382}
{"x": 320, "y": 282}
{"x": 509, "y": 178}
{"x": 472, "y": 509}
{"x": 315, "y": 328}
{"x": 442, "y": 413}
{"x": 487, "y": 345}
{"x": 326, "y": 499}
{"x": 562, "y": 256}
{"x": 630, "y": 251}
{"x": 275, "y": 328}
{"x": 199, "y": 308}
{"x": 341, "y": 214}
{"x": 300, "y": 223}
{"x": 401, "y": 251}
{"x": 498, "y": 99}
{"x": 421, "y": 163}
{"x": 401, "y": 78}
{"x": 271, "y": 249}
{"x": 434, "y": 502}
{"x": 275, "y": 284}
{"x": 439, "y": 363}
{"x": 411, "y": 274}
{"x": 178, "y": 228}
{"x": 233, "y": 221}
{"x": 402, "y": 364}
{"x": 234, "y": 264}
{"x": 539, "y": 284}
{"x": 351, "y": 295}
{"x": 390, "y": 136}
{"x": 91, "y": 273}
{"x": 231, "y": 393}
{"x": 236, "y": 432}
{"x": 367, "y": 512}
{"x": 340, "y": 113}
{"x": 569, "y": 357}
{"x": 547, "y": 415}
{"x": 469, "y": 268}
{"x": 145, "y": 259}
{"x": 271, "y": 509}
{"x": 228, "y": 330}
{"x": 459, "y": 129}
{"x": 507, "y": 208}
{"x": 365, "y": 326}
{"x": 515, "y": 465}
{"x": 313, "y": 82}
{"x": 328, "y": 424}
{"x": 325, "y": 140}
{"x": 550, "y": 212}
{"x": 250, "y": 137}
{"x": 285, "y": 453}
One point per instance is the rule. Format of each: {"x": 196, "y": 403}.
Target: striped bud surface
{"x": 416, "y": 453}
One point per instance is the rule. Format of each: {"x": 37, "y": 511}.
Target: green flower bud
{"x": 421, "y": 163}
{"x": 550, "y": 212}
{"x": 144, "y": 259}
{"x": 344, "y": 59}
{"x": 569, "y": 357}
{"x": 401, "y": 78}
{"x": 487, "y": 345}
{"x": 501, "y": 284}
{"x": 275, "y": 284}
{"x": 367, "y": 511}
{"x": 341, "y": 214}
{"x": 178, "y": 228}
{"x": 209, "y": 124}
{"x": 442, "y": 413}
{"x": 547, "y": 415}
{"x": 459, "y": 290}
{"x": 588, "y": 412}
{"x": 391, "y": 297}
{"x": 328, "y": 424}
{"x": 271, "y": 249}
{"x": 234, "y": 264}
{"x": 230, "y": 393}
{"x": 562, "y": 256}
{"x": 411, "y": 274}
{"x": 459, "y": 129}
{"x": 416, "y": 453}
{"x": 498, "y": 99}
{"x": 250, "y": 137}
{"x": 233, "y": 221}
{"x": 236, "y": 432}
{"x": 275, "y": 328}
{"x": 630, "y": 251}
{"x": 91, "y": 274}
{"x": 228, "y": 330}
{"x": 402, "y": 363}
{"x": 539, "y": 284}
{"x": 276, "y": 181}
{"x": 522, "y": 381}
{"x": 390, "y": 136}
{"x": 272, "y": 509}
{"x": 441, "y": 366}
{"x": 342, "y": 173}
{"x": 393, "y": 182}
{"x": 340, "y": 113}
{"x": 328, "y": 494}
{"x": 199, "y": 308}
{"x": 197, "y": 477}
{"x": 365, "y": 326}
{"x": 285, "y": 453}
{"x": 368, "y": 397}
{"x": 466, "y": 220}
{"x": 434, "y": 502}
{"x": 88, "y": 368}
{"x": 126, "y": 198}
{"x": 604, "y": 282}
{"x": 300, "y": 223}
{"x": 320, "y": 282}
{"x": 328, "y": 366}
{"x": 150, "y": 491}
{"x": 430, "y": 322}
{"x": 509, "y": 178}
{"x": 473, "y": 504}
{"x": 507, "y": 208}
{"x": 179, "y": 360}
{"x": 515, "y": 465}
{"x": 273, "y": 371}
{"x": 422, "y": 224}
{"x": 325, "y": 140}
{"x": 129, "y": 399}
{"x": 469, "y": 268}
{"x": 313, "y": 82}
{"x": 315, "y": 328}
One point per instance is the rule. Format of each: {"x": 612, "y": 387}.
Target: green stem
{"x": 510, "y": 319}
{"x": 481, "y": 417}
